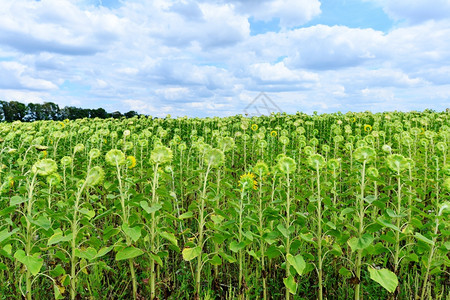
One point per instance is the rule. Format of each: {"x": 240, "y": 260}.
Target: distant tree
{"x": 14, "y": 111}
{"x": 73, "y": 113}
{"x": 116, "y": 114}
{"x": 51, "y": 111}
{"x": 1, "y": 110}
{"x": 98, "y": 113}
{"x": 34, "y": 112}
{"x": 130, "y": 114}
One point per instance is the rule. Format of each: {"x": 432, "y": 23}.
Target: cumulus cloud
{"x": 291, "y": 13}
{"x": 198, "y": 58}
{"x": 324, "y": 47}
{"x": 416, "y": 11}
{"x": 14, "y": 75}
{"x": 57, "y": 26}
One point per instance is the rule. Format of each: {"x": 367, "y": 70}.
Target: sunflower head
{"x": 214, "y": 157}
{"x": 226, "y": 143}
{"x": 261, "y": 169}
{"x": 161, "y": 154}
{"x": 115, "y": 157}
{"x": 247, "y": 181}
{"x": 372, "y": 172}
{"x": 54, "y": 179}
{"x": 131, "y": 162}
{"x": 44, "y": 167}
{"x": 396, "y": 162}
{"x": 66, "y": 161}
{"x": 367, "y": 128}
{"x": 284, "y": 140}
{"x": 286, "y": 165}
{"x": 78, "y": 148}
{"x": 273, "y": 133}
{"x": 317, "y": 161}
{"x": 254, "y": 127}
{"x": 364, "y": 154}
{"x": 95, "y": 176}
{"x": 94, "y": 153}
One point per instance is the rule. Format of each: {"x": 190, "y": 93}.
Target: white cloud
{"x": 324, "y": 47}
{"x": 173, "y": 93}
{"x": 279, "y": 73}
{"x": 16, "y": 75}
{"x": 290, "y": 12}
{"x": 416, "y": 11}
{"x": 198, "y": 58}
{"x": 57, "y": 26}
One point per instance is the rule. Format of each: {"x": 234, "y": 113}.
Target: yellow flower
{"x": 62, "y": 124}
{"x": 254, "y": 127}
{"x": 353, "y": 120}
{"x": 367, "y": 128}
{"x": 248, "y": 181}
{"x": 45, "y": 153}
{"x": 273, "y": 133}
{"x": 131, "y": 162}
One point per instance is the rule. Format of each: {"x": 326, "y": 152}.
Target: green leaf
{"x": 57, "y": 271}
{"x": 88, "y": 253}
{"x": 236, "y": 247}
{"x": 156, "y": 258}
{"x": 423, "y": 238}
{"x": 128, "y": 252}
{"x": 248, "y": 235}
{"x": 227, "y": 257}
{"x": 393, "y": 214}
{"x": 152, "y": 209}
{"x": 4, "y": 234}
{"x": 215, "y": 260}
{"x": 308, "y": 238}
{"x": 337, "y": 251}
{"x": 186, "y": 215}
{"x": 170, "y": 237}
{"x": 217, "y": 219}
{"x": 388, "y": 224}
{"x": 191, "y": 253}
{"x": 58, "y": 237}
{"x": 88, "y": 213}
{"x": 283, "y": 230}
{"x": 133, "y": 232}
{"x": 43, "y": 222}
{"x": 16, "y": 200}
{"x": 385, "y": 278}
{"x": 370, "y": 198}
{"x": 360, "y": 243}
{"x": 345, "y": 272}
{"x": 297, "y": 262}
{"x": 33, "y": 264}
{"x": 253, "y": 254}
{"x": 347, "y": 210}
{"x": 290, "y": 284}
{"x": 103, "y": 251}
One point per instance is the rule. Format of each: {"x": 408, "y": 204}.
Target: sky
{"x": 215, "y": 58}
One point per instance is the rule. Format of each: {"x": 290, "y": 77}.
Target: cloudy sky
{"x": 212, "y": 58}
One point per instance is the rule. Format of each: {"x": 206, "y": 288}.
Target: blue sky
{"x": 212, "y": 58}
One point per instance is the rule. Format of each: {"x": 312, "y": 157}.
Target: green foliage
{"x": 232, "y": 208}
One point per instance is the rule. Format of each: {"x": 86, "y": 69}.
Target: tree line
{"x": 16, "y": 111}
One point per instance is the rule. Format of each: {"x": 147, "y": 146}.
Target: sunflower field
{"x": 331, "y": 206}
